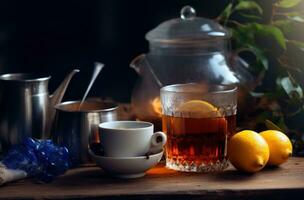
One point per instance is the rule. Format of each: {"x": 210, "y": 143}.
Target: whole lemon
{"x": 248, "y": 151}
{"x": 279, "y": 146}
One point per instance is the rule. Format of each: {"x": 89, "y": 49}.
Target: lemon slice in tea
{"x": 204, "y": 118}
{"x": 199, "y": 108}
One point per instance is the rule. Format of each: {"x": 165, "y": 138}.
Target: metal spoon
{"x": 97, "y": 69}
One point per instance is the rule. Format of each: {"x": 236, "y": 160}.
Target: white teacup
{"x": 130, "y": 138}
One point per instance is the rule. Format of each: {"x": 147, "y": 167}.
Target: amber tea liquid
{"x": 194, "y": 144}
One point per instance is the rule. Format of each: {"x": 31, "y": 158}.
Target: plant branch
{"x": 234, "y": 22}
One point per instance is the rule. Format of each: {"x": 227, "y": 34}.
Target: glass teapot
{"x": 181, "y": 50}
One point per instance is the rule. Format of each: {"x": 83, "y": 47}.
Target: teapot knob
{"x": 187, "y": 13}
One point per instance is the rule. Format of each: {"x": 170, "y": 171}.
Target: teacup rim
{"x": 149, "y": 125}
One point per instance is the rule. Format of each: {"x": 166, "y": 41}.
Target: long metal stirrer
{"x": 97, "y": 69}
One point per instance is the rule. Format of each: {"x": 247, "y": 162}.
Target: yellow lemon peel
{"x": 199, "y": 108}
{"x": 280, "y": 146}
{"x": 248, "y": 151}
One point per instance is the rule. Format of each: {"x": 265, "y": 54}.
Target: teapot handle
{"x": 241, "y": 68}
{"x": 142, "y": 60}
{"x": 136, "y": 62}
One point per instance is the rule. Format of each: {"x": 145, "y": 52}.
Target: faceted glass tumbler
{"x": 198, "y": 119}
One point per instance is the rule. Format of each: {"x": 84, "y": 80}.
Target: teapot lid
{"x": 187, "y": 28}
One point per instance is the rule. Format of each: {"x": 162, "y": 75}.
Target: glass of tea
{"x": 198, "y": 119}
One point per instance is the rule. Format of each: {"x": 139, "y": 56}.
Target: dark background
{"x": 55, "y": 36}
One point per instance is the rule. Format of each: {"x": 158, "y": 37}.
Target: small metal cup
{"x": 77, "y": 129}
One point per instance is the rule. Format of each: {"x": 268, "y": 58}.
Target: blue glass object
{"x": 41, "y": 159}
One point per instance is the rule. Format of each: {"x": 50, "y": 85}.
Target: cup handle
{"x": 158, "y": 140}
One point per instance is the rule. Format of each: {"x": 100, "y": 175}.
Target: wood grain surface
{"x": 284, "y": 182}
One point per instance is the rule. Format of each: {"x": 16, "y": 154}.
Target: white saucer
{"x": 126, "y": 167}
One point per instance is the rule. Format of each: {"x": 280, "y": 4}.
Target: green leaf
{"x": 249, "y": 5}
{"x": 272, "y": 31}
{"x": 288, "y": 3}
{"x": 242, "y": 35}
{"x": 226, "y": 12}
{"x": 250, "y": 16}
{"x": 296, "y": 18}
{"x": 251, "y": 30}
{"x": 286, "y": 26}
{"x": 293, "y": 13}
{"x": 272, "y": 126}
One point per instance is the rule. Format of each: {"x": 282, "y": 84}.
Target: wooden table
{"x": 285, "y": 182}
